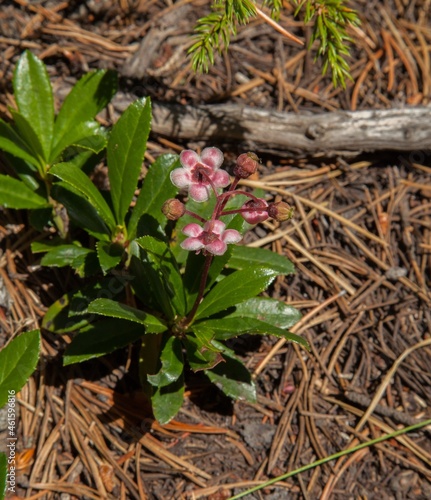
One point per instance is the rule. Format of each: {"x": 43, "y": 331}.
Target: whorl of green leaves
{"x": 330, "y": 17}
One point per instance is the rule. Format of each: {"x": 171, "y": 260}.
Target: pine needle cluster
{"x": 329, "y": 19}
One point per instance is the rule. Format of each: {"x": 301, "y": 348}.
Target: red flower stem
{"x": 241, "y": 210}
{"x": 205, "y": 271}
{"x": 223, "y": 198}
{"x": 231, "y": 188}
{"x": 196, "y": 216}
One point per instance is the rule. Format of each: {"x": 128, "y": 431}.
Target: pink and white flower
{"x": 213, "y": 237}
{"x": 199, "y": 172}
{"x": 257, "y": 212}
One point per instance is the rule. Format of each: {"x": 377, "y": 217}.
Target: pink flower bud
{"x": 280, "y": 211}
{"x": 246, "y": 165}
{"x": 173, "y": 209}
{"x": 258, "y": 211}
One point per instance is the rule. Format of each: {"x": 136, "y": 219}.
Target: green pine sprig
{"x": 331, "y": 17}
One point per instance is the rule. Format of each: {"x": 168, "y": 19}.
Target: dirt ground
{"x": 360, "y": 241}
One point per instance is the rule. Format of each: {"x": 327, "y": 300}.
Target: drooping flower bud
{"x": 173, "y": 209}
{"x": 246, "y": 165}
{"x": 280, "y": 211}
{"x": 256, "y": 211}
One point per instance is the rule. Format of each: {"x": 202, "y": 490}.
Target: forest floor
{"x": 360, "y": 241}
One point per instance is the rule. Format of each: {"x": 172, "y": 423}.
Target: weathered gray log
{"x": 331, "y": 133}
{"x": 407, "y": 129}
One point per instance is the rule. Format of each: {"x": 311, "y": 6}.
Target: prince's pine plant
{"x": 197, "y": 292}
{"x": 157, "y": 271}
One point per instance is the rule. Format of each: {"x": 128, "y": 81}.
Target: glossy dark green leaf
{"x": 63, "y": 255}
{"x": 171, "y": 358}
{"x": 229, "y": 327}
{"x": 73, "y": 176}
{"x": 88, "y": 135}
{"x": 15, "y": 194}
{"x": 87, "y": 98}
{"x": 70, "y": 312}
{"x": 235, "y": 288}
{"x": 198, "y": 356}
{"x": 204, "y": 337}
{"x": 24, "y": 170}
{"x": 272, "y": 311}
{"x": 101, "y": 338}
{"x": 243, "y": 257}
{"x": 57, "y": 319}
{"x": 161, "y": 257}
{"x": 94, "y": 143}
{"x": 3, "y": 474}
{"x": 148, "y": 283}
{"x": 12, "y": 143}
{"x": 113, "y": 309}
{"x": 109, "y": 255}
{"x": 80, "y": 210}
{"x": 167, "y": 400}
{"x": 33, "y": 94}
{"x": 29, "y": 135}
{"x": 233, "y": 378}
{"x": 156, "y": 189}
{"x": 192, "y": 274}
{"x": 126, "y": 148}
{"x": 18, "y": 361}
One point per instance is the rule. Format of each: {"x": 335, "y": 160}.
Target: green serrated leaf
{"x": 192, "y": 278}
{"x": 33, "y": 94}
{"x": 12, "y": 143}
{"x": 109, "y": 255}
{"x": 63, "y": 255}
{"x": 113, "y": 309}
{"x": 233, "y": 378}
{"x": 88, "y": 135}
{"x": 235, "y": 288}
{"x": 18, "y": 361}
{"x": 230, "y": 327}
{"x": 101, "y": 338}
{"x": 243, "y": 257}
{"x": 29, "y": 136}
{"x": 171, "y": 358}
{"x": 15, "y": 194}
{"x": 148, "y": 284}
{"x": 156, "y": 189}
{"x": 80, "y": 210}
{"x": 164, "y": 263}
{"x": 73, "y": 176}
{"x": 274, "y": 312}
{"x": 126, "y": 148}
{"x": 70, "y": 312}
{"x": 167, "y": 400}
{"x": 88, "y": 96}
{"x": 198, "y": 356}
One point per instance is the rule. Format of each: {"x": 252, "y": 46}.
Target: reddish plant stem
{"x": 203, "y": 282}
{"x": 196, "y": 216}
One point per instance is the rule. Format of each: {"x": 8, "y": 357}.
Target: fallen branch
{"x": 337, "y": 132}
{"x": 333, "y": 133}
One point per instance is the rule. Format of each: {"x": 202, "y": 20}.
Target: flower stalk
{"x": 202, "y": 177}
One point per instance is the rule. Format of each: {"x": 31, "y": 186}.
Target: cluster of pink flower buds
{"x": 202, "y": 175}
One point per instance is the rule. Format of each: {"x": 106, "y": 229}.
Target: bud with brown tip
{"x": 280, "y": 211}
{"x": 246, "y": 165}
{"x": 173, "y": 209}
